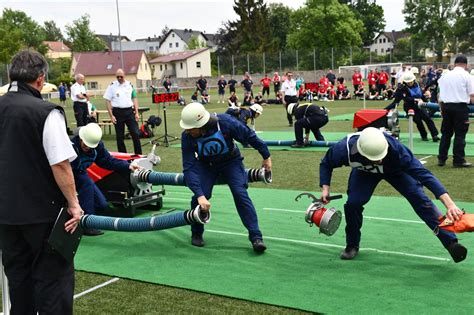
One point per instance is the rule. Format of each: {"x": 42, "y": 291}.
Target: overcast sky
{"x": 143, "y": 18}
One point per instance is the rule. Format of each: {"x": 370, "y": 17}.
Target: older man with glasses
{"x": 122, "y": 105}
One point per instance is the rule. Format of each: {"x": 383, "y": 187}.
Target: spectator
{"x": 382, "y": 81}
{"x": 247, "y": 84}
{"x": 356, "y": 80}
{"x": 79, "y": 98}
{"x": 167, "y": 84}
{"x": 343, "y": 92}
{"x": 360, "y": 92}
{"x": 194, "y": 97}
{"x": 248, "y": 99}
{"x": 232, "y": 84}
{"x": 290, "y": 95}
{"x": 265, "y": 81}
{"x": 331, "y": 77}
{"x": 221, "y": 84}
{"x": 373, "y": 93}
{"x": 233, "y": 99}
{"x": 201, "y": 84}
{"x": 276, "y": 83}
{"x": 37, "y": 181}
{"x": 122, "y": 105}
{"x": 62, "y": 94}
{"x": 393, "y": 78}
{"x": 456, "y": 91}
{"x": 399, "y": 75}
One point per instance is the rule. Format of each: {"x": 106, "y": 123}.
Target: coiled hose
{"x": 309, "y": 144}
{"x": 162, "y": 222}
{"x": 177, "y": 179}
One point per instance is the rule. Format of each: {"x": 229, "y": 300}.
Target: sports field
{"x": 401, "y": 268}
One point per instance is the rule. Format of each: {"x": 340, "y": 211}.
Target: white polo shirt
{"x": 56, "y": 142}
{"x": 289, "y": 87}
{"x": 120, "y": 95}
{"x": 456, "y": 86}
{"x": 77, "y": 89}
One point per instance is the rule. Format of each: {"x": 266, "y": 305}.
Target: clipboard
{"x": 65, "y": 243}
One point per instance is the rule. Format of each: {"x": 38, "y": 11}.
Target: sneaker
{"x": 259, "y": 246}
{"x": 92, "y": 232}
{"x": 462, "y": 164}
{"x": 435, "y": 139}
{"x": 441, "y": 162}
{"x": 457, "y": 252}
{"x": 349, "y": 252}
{"x": 197, "y": 240}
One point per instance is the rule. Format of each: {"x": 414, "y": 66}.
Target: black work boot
{"x": 259, "y": 246}
{"x": 457, "y": 252}
{"x": 349, "y": 252}
{"x": 197, "y": 240}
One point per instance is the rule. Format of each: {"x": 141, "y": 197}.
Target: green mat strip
{"x": 401, "y": 268}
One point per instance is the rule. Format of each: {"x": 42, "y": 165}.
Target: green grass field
{"x": 292, "y": 170}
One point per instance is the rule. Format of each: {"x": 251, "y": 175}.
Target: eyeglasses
{"x": 120, "y": 77}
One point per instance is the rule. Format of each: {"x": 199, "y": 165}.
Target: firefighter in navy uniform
{"x": 209, "y": 152}
{"x": 375, "y": 156}
{"x": 308, "y": 117}
{"x": 90, "y": 149}
{"x": 410, "y": 92}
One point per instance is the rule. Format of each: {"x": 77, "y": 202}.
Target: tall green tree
{"x": 324, "y": 24}
{"x": 52, "y": 32}
{"x": 279, "y": 19}
{"x": 17, "y": 31}
{"x": 431, "y": 22}
{"x": 464, "y": 27}
{"x": 81, "y": 37}
{"x": 251, "y": 32}
{"x": 195, "y": 43}
{"x": 372, "y": 15}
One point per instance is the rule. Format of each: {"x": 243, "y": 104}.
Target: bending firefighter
{"x": 90, "y": 149}
{"x": 209, "y": 152}
{"x": 375, "y": 156}
{"x": 308, "y": 117}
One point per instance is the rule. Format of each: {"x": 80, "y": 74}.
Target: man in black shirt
{"x": 201, "y": 85}
{"x": 221, "y": 84}
{"x": 247, "y": 84}
{"x": 167, "y": 84}
{"x": 331, "y": 77}
{"x": 232, "y": 84}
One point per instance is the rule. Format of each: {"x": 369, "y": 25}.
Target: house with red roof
{"x": 57, "y": 50}
{"x": 99, "y": 68}
{"x": 183, "y": 64}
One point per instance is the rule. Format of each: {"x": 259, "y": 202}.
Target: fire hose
{"x": 177, "y": 179}
{"x": 155, "y": 223}
{"x": 309, "y": 143}
{"x": 435, "y": 106}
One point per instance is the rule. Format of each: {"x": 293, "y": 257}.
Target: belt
{"x": 121, "y": 108}
{"x": 460, "y": 103}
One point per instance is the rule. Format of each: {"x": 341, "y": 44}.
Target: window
{"x": 161, "y": 67}
{"x": 198, "y": 64}
{"x": 381, "y": 50}
{"x": 109, "y": 66}
{"x": 92, "y": 85}
{"x": 384, "y": 40}
{"x": 172, "y": 35}
{"x": 171, "y": 45}
{"x": 177, "y": 44}
{"x": 375, "y": 50}
{"x": 380, "y": 40}
{"x": 166, "y": 67}
{"x": 151, "y": 49}
{"x": 181, "y": 65}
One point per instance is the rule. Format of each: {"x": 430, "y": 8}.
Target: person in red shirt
{"x": 382, "y": 82}
{"x": 265, "y": 81}
{"x": 372, "y": 78}
{"x": 356, "y": 79}
{"x": 343, "y": 92}
{"x": 323, "y": 89}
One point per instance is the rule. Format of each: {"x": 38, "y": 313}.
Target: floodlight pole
{"x": 120, "y": 36}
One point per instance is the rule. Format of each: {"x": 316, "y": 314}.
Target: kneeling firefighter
{"x": 375, "y": 156}
{"x": 90, "y": 149}
{"x": 310, "y": 117}
{"x": 209, "y": 152}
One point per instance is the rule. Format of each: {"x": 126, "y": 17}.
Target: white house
{"x": 385, "y": 42}
{"x": 178, "y": 40}
{"x": 184, "y": 64}
{"x": 149, "y": 45}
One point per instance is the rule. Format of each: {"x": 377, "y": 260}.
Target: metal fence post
{"x": 314, "y": 63}
{"x": 263, "y": 55}
{"x": 218, "y": 66}
{"x": 233, "y": 66}
{"x": 297, "y": 63}
{"x": 332, "y": 57}
{"x": 280, "y": 59}
{"x": 248, "y": 64}
{"x": 350, "y": 53}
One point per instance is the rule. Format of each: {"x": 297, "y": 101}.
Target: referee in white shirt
{"x": 291, "y": 94}
{"x": 79, "y": 98}
{"x": 122, "y": 105}
{"x": 456, "y": 91}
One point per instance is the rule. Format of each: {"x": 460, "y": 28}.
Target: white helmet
{"x": 372, "y": 144}
{"x": 194, "y": 115}
{"x": 90, "y": 134}
{"x": 408, "y": 76}
{"x": 414, "y": 70}
{"x": 290, "y": 107}
{"x": 257, "y": 108}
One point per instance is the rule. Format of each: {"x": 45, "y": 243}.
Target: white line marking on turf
{"x": 426, "y": 157}
{"x": 333, "y": 245}
{"x": 171, "y": 198}
{"x": 365, "y": 217}
{"x": 96, "y": 287}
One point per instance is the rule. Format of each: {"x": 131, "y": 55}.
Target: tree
{"x": 52, "y": 32}
{"x": 250, "y": 32}
{"x": 195, "y": 43}
{"x": 463, "y": 30}
{"x": 372, "y": 15}
{"x": 17, "y": 31}
{"x": 324, "y": 24}
{"x": 165, "y": 31}
{"x": 279, "y": 18}
{"x": 81, "y": 37}
{"x": 431, "y": 22}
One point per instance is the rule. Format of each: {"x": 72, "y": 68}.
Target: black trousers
{"x": 40, "y": 280}
{"x": 455, "y": 122}
{"x": 313, "y": 123}
{"x": 288, "y": 100}
{"x": 422, "y": 116}
{"x": 81, "y": 112}
{"x": 126, "y": 116}
{"x": 266, "y": 89}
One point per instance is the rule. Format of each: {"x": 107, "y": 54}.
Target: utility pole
{"x": 119, "y": 35}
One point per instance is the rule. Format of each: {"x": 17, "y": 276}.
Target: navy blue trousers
{"x": 233, "y": 172}
{"x": 361, "y": 187}
{"x": 89, "y": 195}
